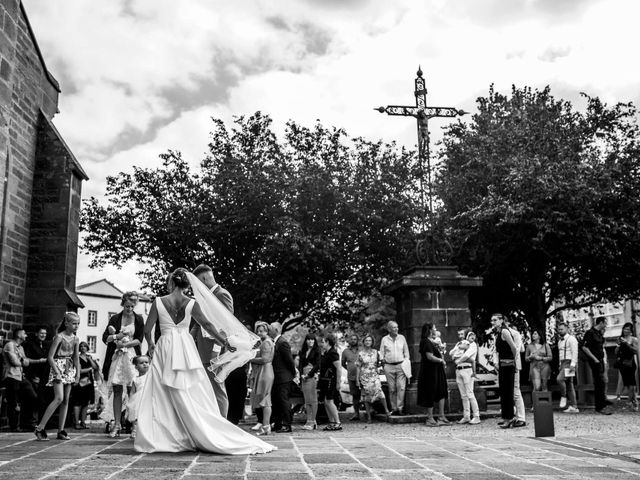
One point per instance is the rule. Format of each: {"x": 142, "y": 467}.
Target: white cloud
{"x": 141, "y": 77}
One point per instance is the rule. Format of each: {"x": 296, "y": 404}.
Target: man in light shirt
{"x": 394, "y": 350}
{"x": 464, "y": 355}
{"x": 568, "y": 355}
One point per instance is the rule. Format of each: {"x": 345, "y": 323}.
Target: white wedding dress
{"x": 178, "y": 410}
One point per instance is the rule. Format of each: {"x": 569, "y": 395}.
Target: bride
{"x": 178, "y": 410}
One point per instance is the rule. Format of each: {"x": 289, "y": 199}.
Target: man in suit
{"x": 284, "y": 370}
{"x": 210, "y": 348}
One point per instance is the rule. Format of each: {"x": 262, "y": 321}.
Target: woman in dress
{"x": 262, "y": 380}
{"x": 83, "y": 393}
{"x": 65, "y": 372}
{"x": 626, "y": 352}
{"x": 329, "y": 381}
{"x": 367, "y": 377}
{"x": 123, "y": 337}
{"x": 309, "y": 366}
{"x": 539, "y": 356}
{"x": 432, "y": 381}
{"x": 178, "y": 409}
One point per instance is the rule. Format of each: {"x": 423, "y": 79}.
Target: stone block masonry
{"x": 35, "y": 165}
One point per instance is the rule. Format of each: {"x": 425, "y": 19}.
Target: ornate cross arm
{"x": 429, "y": 112}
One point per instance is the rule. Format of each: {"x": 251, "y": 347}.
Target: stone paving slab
{"x": 381, "y": 452}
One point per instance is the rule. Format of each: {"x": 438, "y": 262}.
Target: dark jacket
{"x": 138, "y": 334}
{"x": 313, "y": 359}
{"x": 34, "y": 350}
{"x": 284, "y": 368}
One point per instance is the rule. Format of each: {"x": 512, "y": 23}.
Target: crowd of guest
{"x": 42, "y": 376}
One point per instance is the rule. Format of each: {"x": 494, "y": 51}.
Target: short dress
{"x": 122, "y": 371}
{"x": 133, "y": 405}
{"x": 628, "y": 371}
{"x": 262, "y": 376}
{"x": 64, "y": 360}
{"x": 84, "y": 394}
{"x": 370, "y": 384}
{"x": 327, "y": 382}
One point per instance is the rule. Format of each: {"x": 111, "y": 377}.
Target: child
{"x": 439, "y": 343}
{"x": 64, "y": 359}
{"x": 141, "y": 362}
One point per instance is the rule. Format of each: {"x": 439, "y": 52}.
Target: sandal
{"x": 431, "y": 423}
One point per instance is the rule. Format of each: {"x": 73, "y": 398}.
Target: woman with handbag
{"x": 367, "y": 377}
{"x": 626, "y": 352}
{"x": 539, "y": 356}
{"x": 329, "y": 382}
{"x": 309, "y": 365}
{"x": 83, "y": 393}
{"x": 262, "y": 380}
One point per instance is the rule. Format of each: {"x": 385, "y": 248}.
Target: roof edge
{"x": 47, "y": 73}
{"x": 76, "y": 164}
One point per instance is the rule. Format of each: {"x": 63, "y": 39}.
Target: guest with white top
{"x": 394, "y": 351}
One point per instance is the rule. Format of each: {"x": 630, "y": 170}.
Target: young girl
{"x": 141, "y": 362}
{"x": 65, "y": 372}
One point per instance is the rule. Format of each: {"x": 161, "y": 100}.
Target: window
{"x": 91, "y": 340}
{"x": 92, "y": 318}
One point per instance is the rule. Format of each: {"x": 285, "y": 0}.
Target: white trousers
{"x": 465, "y": 382}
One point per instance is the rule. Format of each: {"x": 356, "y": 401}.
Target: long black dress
{"x": 432, "y": 380}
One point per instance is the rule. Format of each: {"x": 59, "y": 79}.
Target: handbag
{"x": 84, "y": 381}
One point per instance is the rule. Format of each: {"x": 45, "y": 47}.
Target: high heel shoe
{"x": 115, "y": 431}
{"x": 313, "y": 426}
{"x": 256, "y": 427}
{"x": 264, "y": 431}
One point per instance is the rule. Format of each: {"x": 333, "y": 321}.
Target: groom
{"x": 209, "y": 348}
{"x": 284, "y": 370}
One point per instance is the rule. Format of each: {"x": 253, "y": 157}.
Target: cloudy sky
{"x": 141, "y": 76}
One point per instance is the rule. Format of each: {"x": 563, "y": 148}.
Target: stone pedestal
{"x": 431, "y": 294}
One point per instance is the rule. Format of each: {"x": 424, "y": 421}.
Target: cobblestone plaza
{"x": 587, "y": 446}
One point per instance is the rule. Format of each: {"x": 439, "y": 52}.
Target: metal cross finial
{"x": 422, "y": 113}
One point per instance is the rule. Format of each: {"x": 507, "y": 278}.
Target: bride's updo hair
{"x": 179, "y": 278}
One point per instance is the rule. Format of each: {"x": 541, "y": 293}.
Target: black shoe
{"x": 503, "y": 422}
{"x": 41, "y": 435}
{"x": 507, "y": 423}
{"x": 62, "y": 435}
{"x": 355, "y": 418}
{"x": 395, "y": 413}
{"x": 284, "y": 429}
{"x": 604, "y": 411}
{"x": 518, "y": 424}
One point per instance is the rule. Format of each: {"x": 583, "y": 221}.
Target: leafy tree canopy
{"x": 543, "y": 201}
{"x": 305, "y": 229}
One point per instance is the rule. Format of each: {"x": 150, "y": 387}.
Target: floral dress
{"x": 122, "y": 371}
{"x": 64, "y": 360}
{"x": 370, "y": 386}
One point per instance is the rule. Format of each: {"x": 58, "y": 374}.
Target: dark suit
{"x": 116, "y": 322}
{"x": 284, "y": 371}
{"x": 205, "y": 350}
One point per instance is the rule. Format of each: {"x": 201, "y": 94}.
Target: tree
{"x": 542, "y": 201}
{"x": 305, "y": 229}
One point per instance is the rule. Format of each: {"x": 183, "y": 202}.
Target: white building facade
{"x": 102, "y": 300}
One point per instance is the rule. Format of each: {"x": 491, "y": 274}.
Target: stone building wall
{"x": 28, "y": 102}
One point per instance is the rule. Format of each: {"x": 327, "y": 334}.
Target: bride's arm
{"x": 198, "y": 316}
{"x": 148, "y": 327}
